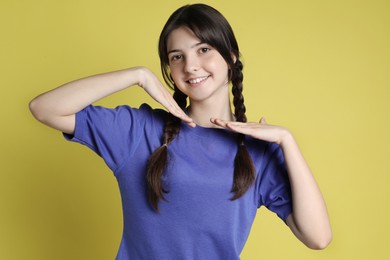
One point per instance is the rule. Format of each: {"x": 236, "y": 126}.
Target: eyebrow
{"x": 193, "y": 46}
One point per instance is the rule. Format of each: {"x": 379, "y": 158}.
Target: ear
{"x": 234, "y": 57}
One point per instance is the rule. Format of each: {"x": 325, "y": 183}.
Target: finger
{"x": 262, "y": 120}
{"x": 159, "y": 93}
{"x": 218, "y": 122}
{"x": 242, "y": 129}
{"x": 239, "y": 127}
{"x": 174, "y": 109}
{"x": 243, "y": 124}
{"x": 179, "y": 113}
{"x": 229, "y": 124}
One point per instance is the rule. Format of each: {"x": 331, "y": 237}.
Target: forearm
{"x": 309, "y": 220}
{"x": 72, "y": 97}
{"x": 310, "y": 216}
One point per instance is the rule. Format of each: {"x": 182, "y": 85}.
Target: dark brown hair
{"x": 212, "y": 28}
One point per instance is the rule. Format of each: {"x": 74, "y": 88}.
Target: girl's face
{"x": 197, "y": 69}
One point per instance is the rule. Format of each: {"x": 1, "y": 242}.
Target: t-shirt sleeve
{"x": 274, "y": 185}
{"x": 113, "y": 133}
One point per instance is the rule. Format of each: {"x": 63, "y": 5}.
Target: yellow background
{"x": 320, "y": 68}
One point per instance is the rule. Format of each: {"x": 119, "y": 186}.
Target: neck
{"x": 201, "y": 112}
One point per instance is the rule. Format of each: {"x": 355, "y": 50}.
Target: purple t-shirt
{"x": 198, "y": 220}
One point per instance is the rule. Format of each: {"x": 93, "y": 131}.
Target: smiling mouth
{"x": 197, "y": 80}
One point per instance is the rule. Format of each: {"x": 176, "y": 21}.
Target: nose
{"x": 191, "y": 63}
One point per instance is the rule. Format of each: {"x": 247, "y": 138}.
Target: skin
{"x": 309, "y": 221}
{"x": 191, "y": 59}
{"x": 210, "y": 107}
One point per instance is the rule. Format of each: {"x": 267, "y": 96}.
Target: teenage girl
{"x": 191, "y": 178}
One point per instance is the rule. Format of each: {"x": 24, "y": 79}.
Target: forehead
{"x": 181, "y": 38}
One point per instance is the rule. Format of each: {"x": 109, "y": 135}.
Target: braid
{"x": 238, "y": 99}
{"x": 158, "y": 160}
{"x": 244, "y": 172}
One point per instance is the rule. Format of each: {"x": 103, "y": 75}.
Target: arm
{"x": 309, "y": 220}
{"x": 57, "y": 108}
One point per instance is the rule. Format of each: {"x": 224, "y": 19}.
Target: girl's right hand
{"x": 57, "y": 108}
{"x": 153, "y": 86}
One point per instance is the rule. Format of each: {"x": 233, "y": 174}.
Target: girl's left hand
{"x": 261, "y": 130}
{"x": 309, "y": 219}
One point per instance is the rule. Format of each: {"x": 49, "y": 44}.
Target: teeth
{"x": 192, "y": 81}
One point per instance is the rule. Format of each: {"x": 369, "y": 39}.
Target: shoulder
{"x": 262, "y": 152}
{"x": 121, "y": 120}
{"x": 153, "y": 112}
{"x": 260, "y": 147}
{"x": 152, "y": 116}
{"x": 143, "y": 112}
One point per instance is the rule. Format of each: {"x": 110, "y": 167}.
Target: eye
{"x": 176, "y": 57}
{"x": 204, "y": 49}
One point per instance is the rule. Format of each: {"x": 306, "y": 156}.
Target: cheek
{"x": 173, "y": 70}
{"x": 174, "y": 74}
{"x": 217, "y": 64}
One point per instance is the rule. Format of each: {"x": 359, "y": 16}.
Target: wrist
{"x": 141, "y": 75}
{"x": 286, "y": 137}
